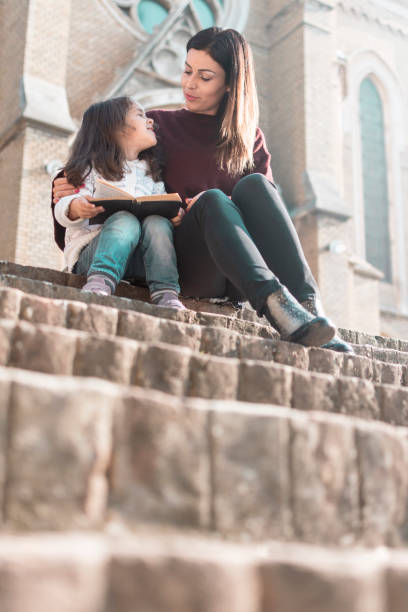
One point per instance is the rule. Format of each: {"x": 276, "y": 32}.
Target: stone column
{"x": 34, "y": 123}
{"x": 300, "y": 77}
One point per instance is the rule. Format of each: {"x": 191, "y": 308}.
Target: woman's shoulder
{"x": 165, "y": 114}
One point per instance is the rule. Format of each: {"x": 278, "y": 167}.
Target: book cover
{"x": 114, "y": 199}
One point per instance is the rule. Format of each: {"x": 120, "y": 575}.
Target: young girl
{"x": 115, "y": 143}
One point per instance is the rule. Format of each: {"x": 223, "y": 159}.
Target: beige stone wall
{"x": 384, "y": 38}
{"x": 13, "y": 23}
{"x": 282, "y": 76}
{"x": 35, "y": 240}
{"x": 10, "y": 186}
{"x": 99, "y": 49}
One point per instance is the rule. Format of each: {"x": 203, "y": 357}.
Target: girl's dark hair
{"x": 96, "y": 145}
{"x": 239, "y": 111}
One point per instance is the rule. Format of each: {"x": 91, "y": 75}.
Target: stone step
{"x": 175, "y": 573}
{"x": 240, "y": 339}
{"x": 88, "y": 454}
{"x": 62, "y": 294}
{"x": 181, "y": 371}
{"x": 52, "y": 283}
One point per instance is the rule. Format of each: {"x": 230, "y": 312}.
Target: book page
{"x": 106, "y": 190}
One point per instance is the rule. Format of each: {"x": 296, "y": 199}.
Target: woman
{"x": 236, "y": 238}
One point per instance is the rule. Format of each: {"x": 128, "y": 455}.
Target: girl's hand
{"x": 62, "y": 188}
{"x": 82, "y": 208}
{"x": 192, "y": 201}
{"x": 178, "y": 219}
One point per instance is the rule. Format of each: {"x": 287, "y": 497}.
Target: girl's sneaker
{"x": 167, "y": 298}
{"x": 99, "y": 284}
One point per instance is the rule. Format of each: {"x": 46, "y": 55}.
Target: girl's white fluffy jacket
{"x": 79, "y": 233}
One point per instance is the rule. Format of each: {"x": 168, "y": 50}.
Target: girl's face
{"x": 137, "y": 134}
{"x": 203, "y": 83}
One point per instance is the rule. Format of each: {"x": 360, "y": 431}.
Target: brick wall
{"x": 13, "y": 23}
{"x": 99, "y": 49}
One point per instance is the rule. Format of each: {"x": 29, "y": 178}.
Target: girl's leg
{"x": 160, "y": 262}
{"x": 273, "y": 232}
{"x": 105, "y": 259}
{"x": 230, "y": 245}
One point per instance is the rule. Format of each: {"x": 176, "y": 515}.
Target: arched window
{"x": 375, "y": 187}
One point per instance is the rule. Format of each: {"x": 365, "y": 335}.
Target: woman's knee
{"x": 251, "y": 181}
{"x": 212, "y": 197}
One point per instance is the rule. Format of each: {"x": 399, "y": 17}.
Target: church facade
{"x": 333, "y": 85}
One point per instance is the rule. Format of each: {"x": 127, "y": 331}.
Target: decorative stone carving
{"x": 163, "y": 56}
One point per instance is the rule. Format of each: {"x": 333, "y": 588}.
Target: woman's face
{"x": 138, "y": 133}
{"x": 203, "y": 83}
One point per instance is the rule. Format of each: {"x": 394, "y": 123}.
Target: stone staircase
{"x": 154, "y": 460}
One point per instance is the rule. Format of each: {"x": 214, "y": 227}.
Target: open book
{"x": 114, "y": 199}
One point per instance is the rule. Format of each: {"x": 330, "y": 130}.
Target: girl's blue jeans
{"x": 127, "y": 248}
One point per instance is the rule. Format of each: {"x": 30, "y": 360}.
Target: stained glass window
{"x": 375, "y": 187}
{"x": 205, "y": 13}
{"x": 151, "y": 14}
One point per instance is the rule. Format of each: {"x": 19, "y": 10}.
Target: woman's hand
{"x": 178, "y": 219}
{"x": 62, "y": 188}
{"x": 192, "y": 201}
{"x": 82, "y": 208}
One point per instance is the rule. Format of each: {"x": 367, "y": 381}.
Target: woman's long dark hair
{"x": 239, "y": 111}
{"x": 96, "y": 145}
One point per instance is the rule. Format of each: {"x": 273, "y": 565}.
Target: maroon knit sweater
{"x": 188, "y": 141}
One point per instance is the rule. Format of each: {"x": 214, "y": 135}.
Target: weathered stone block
{"x": 262, "y": 349}
{"x": 358, "y": 398}
{"x": 258, "y": 327}
{"x": 42, "y": 310}
{"x": 93, "y": 318}
{"x": 358, "y": 366}
{"x": 50, "y": 572}
{"x": 57, "y": 454}
{"x": 43, "y": 349}
{"x": 220, "y": 342}
{"x": 397, "y": 582}
{"x": 138, "y": 326}
{"x": 393, "y": 402}
{"x": 387, "y": 373}
{"x": 186, "y": 580}
{"x": 403, "y": 346}
{"x": 389, "y": 356}
{"x": 9, "y": 303}
{"x": 6, "y": 339}
{"x": 365, "y": 350}
{"x": 311, "y": 581}
{"x": 251, "y": 471}
{"x": 324, "y": 361}
{"x": 383, "y": 456}
{"x": 325, "y": 493}
{"x": 386, "y": 342}
{"x": 213, "y": 377}
{"x": 162, "y": 367}
{"x": 348, "y": 335}
{"x": 313, "y": 391}
{"x": 181, "y": 334}
{"x": 5, "y": 387}
{"x": 107, "y": 358}
{"x": 212, "y": 320}
{"x": 160, "y": 467}
{"x": 291, "y": 354}
{"x": 401, "y": 358}
{"x": 265, "y": 383}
